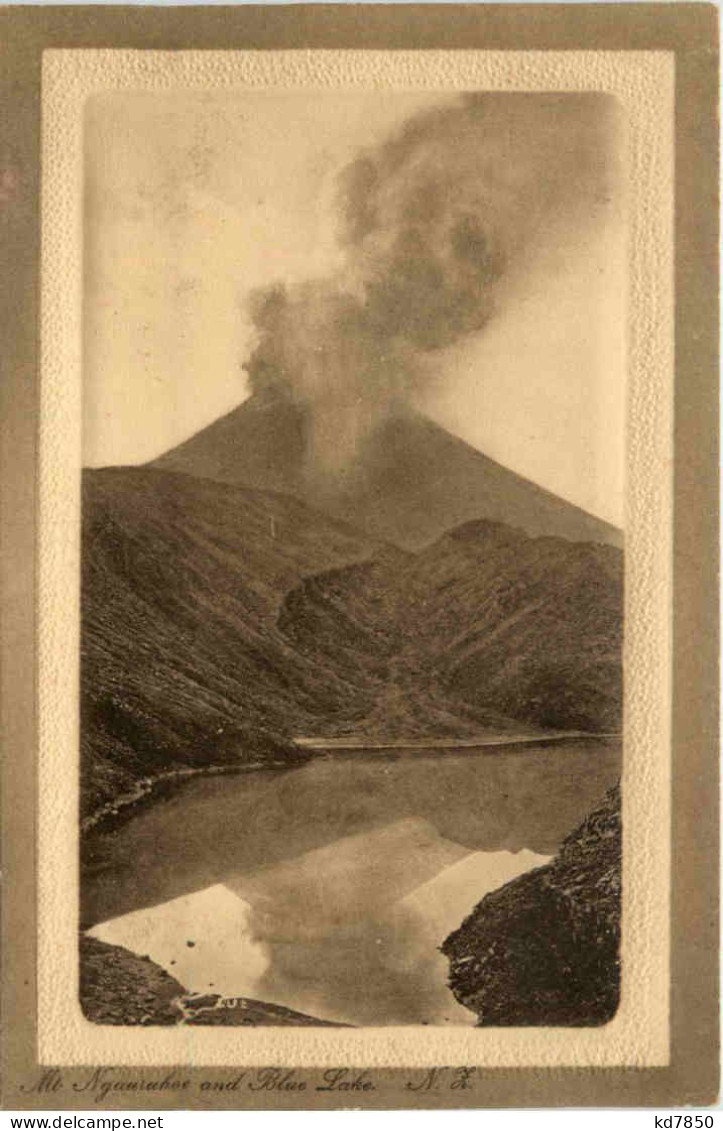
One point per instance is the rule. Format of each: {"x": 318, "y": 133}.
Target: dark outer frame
{"x": 690, "y": 31}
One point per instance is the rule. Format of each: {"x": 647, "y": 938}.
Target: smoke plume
{"x": 434, "y": 223}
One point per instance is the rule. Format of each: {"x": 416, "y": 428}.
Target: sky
{"x": 195, "y": 200}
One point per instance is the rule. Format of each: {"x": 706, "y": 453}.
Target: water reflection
{"x": 330, "y": 888}
{"x": 216, "y": 827}
{"x": 204, "y": 939}
{"x": 348, "y": 933}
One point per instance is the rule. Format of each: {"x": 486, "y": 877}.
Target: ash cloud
{"x": 433, "y": 225}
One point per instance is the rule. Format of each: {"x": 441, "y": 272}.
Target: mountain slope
{"x": 531, "y": 627}
{"x": 410, "y": 481}
{"x": 483, "y": 626}
{"x": 219, "y": 621}
{"x": 181, "y": 662}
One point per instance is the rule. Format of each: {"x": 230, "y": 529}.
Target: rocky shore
{"x": 121, "y": 988}
{"x": 123, "y": 805}
{"x": 215, "y": 1010}
{"x": 544, "y": 949}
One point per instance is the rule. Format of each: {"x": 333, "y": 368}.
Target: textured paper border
{"x": 643, "y": 82}
{"x": 690, "y": 31}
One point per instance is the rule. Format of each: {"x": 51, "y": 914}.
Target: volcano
{"x": 410, "y": 481}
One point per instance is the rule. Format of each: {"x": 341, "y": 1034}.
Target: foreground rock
{"x": 121, "y": 988}
{"x": 544, "y": 949}
{"x": 215, "y": 1010}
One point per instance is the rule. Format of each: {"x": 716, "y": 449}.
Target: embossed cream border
{"x": 643, "y": 82}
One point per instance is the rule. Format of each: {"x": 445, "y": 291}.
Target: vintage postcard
{"x": 367, "y": 725}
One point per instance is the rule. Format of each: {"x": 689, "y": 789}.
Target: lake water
{"x": 329, "y": 888}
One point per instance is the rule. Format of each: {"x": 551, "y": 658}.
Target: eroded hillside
{"x": 218, "y": 622}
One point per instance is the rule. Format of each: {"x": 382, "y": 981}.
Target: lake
{"x": 329, "y": 888}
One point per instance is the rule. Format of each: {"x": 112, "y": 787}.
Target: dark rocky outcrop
{"x": 119, "y": 988}
{"x": 544, "y": 949}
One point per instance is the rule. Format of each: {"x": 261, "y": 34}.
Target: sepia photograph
{"x": 365, "y": 756}
{"x": 352, "y": 584}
